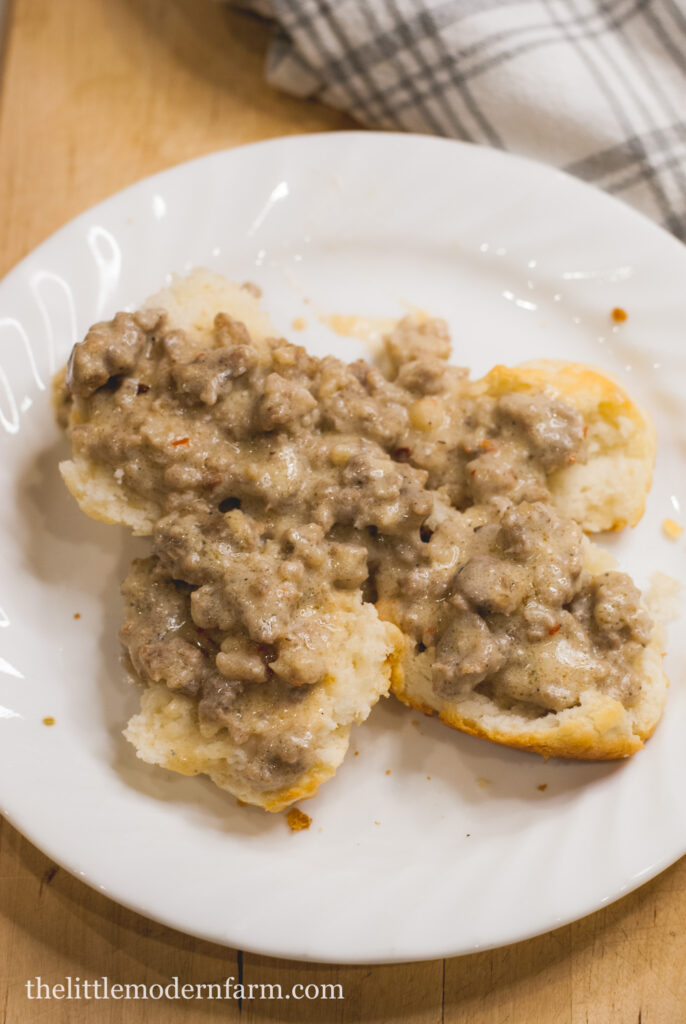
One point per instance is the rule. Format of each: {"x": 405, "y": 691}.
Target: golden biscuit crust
{"x": 364, "y": 654}
{"x": 599, "y": 728}
{"x": 608, "y": 492}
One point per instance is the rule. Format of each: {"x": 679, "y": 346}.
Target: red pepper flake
{"x": 489, "y": 446}
{"x": 571, "y": 458}
{"x": 181, "y": 440}
{"x": 585, "y": 429}
{"x": 298, "y": 820}
{"x": 619, "y": 315}
{"x": 554, "y": 630}
{"x": 402, "y": 454}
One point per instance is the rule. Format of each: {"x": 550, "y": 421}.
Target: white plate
{"x": 523, "y": 262}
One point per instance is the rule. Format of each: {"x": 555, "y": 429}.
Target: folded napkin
{"x": 597, "y": 87}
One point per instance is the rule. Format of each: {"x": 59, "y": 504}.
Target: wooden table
{"x": 96, "y": 94}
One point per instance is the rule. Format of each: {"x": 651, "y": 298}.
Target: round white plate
{"x": 428, "y": 843}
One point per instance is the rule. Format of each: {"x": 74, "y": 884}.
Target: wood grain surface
{"x": 96, "y": 94}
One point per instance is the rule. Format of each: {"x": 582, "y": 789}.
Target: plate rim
{"x": 355, "y": 133}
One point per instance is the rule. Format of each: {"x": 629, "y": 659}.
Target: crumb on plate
{"x": 672, "y": 529}
{"x": 298, "y": 820}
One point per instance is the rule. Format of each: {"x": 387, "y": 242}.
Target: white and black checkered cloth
{"x": 597, "y": 87}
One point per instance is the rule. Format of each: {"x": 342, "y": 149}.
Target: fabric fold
{"x": 595, "y": 87}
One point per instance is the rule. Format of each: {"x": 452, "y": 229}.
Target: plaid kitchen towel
{"x": 597, "y": 87}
